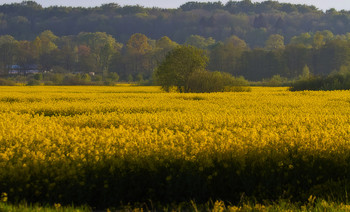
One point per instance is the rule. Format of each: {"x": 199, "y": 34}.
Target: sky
{"x": 321, "y": 4}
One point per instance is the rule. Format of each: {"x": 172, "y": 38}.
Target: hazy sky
{"x": 321, "y": 4}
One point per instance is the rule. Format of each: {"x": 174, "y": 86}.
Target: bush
{"x": 77, "y": 79}
{"x": 71, "y": 79}
{"x": 206, "y": 82}
{"x": 6, "y": 82}
{"x": 38, "y": 77}
{"x": 96, "y": 78}
{"x": 53, "y": 78}
{"x": 338, "y": 80}
{"x": 49, "y": 83}
{"x": 332, "y": 82}
{"x": 275, "y": 81}
{"x": 108, "y": 83}
{"x": 33, "y": 82}
{"x": 113, "y": 76}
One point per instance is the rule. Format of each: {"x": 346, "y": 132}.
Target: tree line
{"x": 269, "y": 41}
{"x": 252, "y": 22}
{"x": 103, "y": 58}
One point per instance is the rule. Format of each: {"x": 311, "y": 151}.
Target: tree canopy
{"x": 178, "y": 66}
{"x": 248, "y": 20}
{"x": 255, "y": 40}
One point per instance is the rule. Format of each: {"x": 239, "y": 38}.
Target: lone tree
{"x": 178, "y": 65}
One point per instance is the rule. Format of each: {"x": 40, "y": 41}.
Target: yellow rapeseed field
{"x": 103, "y": 145}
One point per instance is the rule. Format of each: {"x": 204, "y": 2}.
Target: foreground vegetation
{"x": 218, "y": 206}
{"x": 110, "y": 146}
{"x": 35, "y": 208}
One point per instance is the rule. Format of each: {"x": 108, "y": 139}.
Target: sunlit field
{"x": 110, "y": 146}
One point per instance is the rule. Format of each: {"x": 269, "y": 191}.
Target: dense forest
{"x": 254, "y": 40}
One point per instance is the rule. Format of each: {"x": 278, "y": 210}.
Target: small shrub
{"x": 331, "y": 82}
{"x": 113, "y": 76}
{"x": 38, "y": 77}
{"x": 50, "y": 83}
{"x": 207, "y": 82}
{"x": 96, "y": 78}
{"x": 33, "y": 82}
{"x": 275, "y": 81}
{"x": 6, "y": 82}
{"x": 76, "y": 79}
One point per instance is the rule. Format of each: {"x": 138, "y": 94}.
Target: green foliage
{"x": 33, "y": 82}
{"x": 274, "y": 42}
{"x": 165, "y": 43}
{"x": 202, "y": 81}
{"x": 62, "y": 79}
{"x": 227, "y": 56}
{"x": 199, "y": 41}
{"x": 336, "y": 81}
{"x": 6, "y": 82}
{"x": 139, "y": 77}
{"x": 138, "y": 44}
{"x": 26, "y": 207}
{"x": 38, "y": 77}
{"x": 76, "y": 79}
{"x": 55, "y": 78}
{"x": 97, "y": 78}
{"x": 130, "y": 78}
{"x": 304, "y": 38}
{"x": 80, "y": 54}
{"x": 313, "y": 204}
{"x": 259, "y": 64}
{"x": 178, "y": 66}
{"x": 275, "y": 81}
{"x": 306, "y": 73}
{"x": 210, "y": 19}
{"x": 289, "y": 37}
{"x": 86, "y": 78}
{"x": 114, "y": 77}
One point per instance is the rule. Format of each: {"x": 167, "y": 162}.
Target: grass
{"x": 313, "y": 204}
{"x": 24, "y": 207}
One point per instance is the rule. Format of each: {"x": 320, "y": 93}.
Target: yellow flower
{"x": 3, "y": 197}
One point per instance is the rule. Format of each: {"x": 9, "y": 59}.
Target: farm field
{"x": 110, "y": 146}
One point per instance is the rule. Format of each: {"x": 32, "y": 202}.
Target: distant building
{"x": 14, "y": 69}
{"x": 24, "y": 70}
